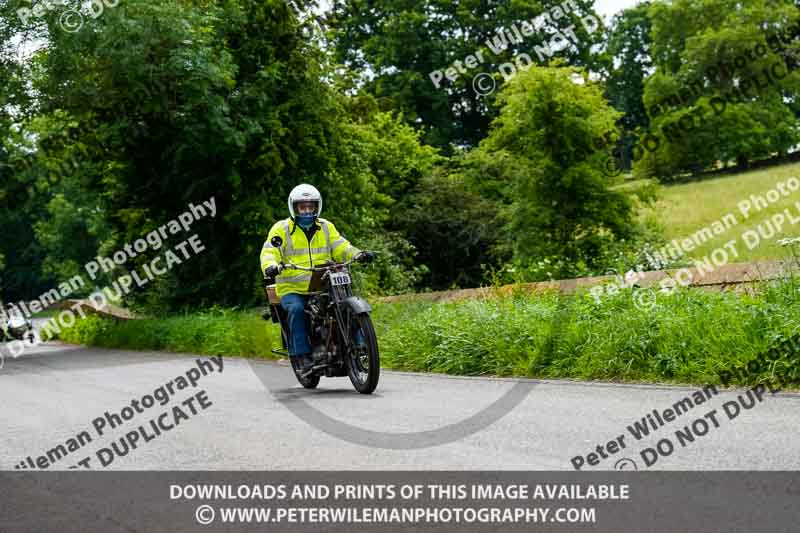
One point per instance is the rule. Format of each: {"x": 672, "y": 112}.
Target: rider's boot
{"x": 306, "y": 363}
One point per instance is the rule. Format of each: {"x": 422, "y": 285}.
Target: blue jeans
{"x": 294, "y": 305}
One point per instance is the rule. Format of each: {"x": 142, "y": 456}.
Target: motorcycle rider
{"x": 15, "y": 325}
{"x": 305, "y": 240}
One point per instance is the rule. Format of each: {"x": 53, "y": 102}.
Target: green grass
{"x": 690, "y": 336}
{"x": 47, "y": 313}
{"x": 685, "y": 209}
{"x": 224, "y": 332}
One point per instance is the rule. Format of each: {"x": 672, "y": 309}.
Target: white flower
{"x": 791, "y": 241}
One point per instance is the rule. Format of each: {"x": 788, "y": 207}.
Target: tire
{"x": 363, "y": 365}
{"x": 310, "y": 382}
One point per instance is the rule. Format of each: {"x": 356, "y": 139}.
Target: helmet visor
{"x": 306, "y": 207}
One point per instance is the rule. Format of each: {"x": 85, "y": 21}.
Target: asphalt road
{"x": 260, "y": 418}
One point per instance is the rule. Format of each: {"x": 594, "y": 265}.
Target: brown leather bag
{"x": 272, "y": 295}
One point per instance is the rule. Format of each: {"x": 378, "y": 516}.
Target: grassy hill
{"x": 685, "y": 209}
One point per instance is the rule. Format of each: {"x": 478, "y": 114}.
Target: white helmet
{"x": 305, "y": 193}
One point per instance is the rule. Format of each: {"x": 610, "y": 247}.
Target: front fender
{"x": 357, "y": 304}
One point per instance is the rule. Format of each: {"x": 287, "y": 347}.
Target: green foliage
{"x": 396, "y": 269}
{"x": 153, "y": 106}
{"x": 400, "y": 43}
{"x": 73, "y": 226}
{"x": 22, "y": 202}
{"x": 108, "y": 132}
{"x": 562, "y": 205}
{"x": 391, "y": 150}
{"x": 630, "y": 62}
{"x": 453, "y": 229}
{"x": 687, "y": 336}
{"x": 216, "y": 331}
{"x": 690, "y": 40}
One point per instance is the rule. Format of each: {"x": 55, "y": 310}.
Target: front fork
{"x": 343, "y": 317}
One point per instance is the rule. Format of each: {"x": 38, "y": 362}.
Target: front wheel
{"x": 363, "y": 361}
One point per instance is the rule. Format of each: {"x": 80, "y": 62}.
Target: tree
{"x": 562, "y": 205}
{"x": 710, "y": 58}
{"x": 629, "y": 52}
{"x": 175, "y": 103}
{"x": 454, "y": 230}
{"x": 20, "y": 200}
{"x": 154, "y": 106}
{"x": 396, "y": 45}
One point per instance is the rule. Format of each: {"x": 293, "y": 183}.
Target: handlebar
{"x": 284, "y": 266}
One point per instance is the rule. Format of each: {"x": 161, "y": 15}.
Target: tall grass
{"x": 214, "y": 332}
{"x": 688, "y": 336}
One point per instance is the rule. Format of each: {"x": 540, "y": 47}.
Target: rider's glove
{"x": 272, "y": 271}
{"x": 365, "y": 257}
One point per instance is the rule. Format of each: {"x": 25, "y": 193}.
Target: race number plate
{"x": 340, "y": 278}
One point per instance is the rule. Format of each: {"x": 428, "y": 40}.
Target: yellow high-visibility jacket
{"x": 326, "y": 244}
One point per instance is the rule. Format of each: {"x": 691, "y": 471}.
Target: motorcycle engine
{"x": 319, "y": 339}
{"x": 318, "y": 353}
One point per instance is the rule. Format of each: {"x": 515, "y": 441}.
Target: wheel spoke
{"x": 358, "y": 353}
{"x": 362, "y": 354}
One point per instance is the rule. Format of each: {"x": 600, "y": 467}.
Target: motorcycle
{"x": 342, "y": 336}
{"x": 18, "y": 328}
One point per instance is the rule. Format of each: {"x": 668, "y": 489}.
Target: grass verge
{"x": 689, "y": 336}
{"x": 214, "y": 332}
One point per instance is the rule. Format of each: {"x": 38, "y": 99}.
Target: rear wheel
{"x": 363, "y": 361}
{"x": 309, "y": 382}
